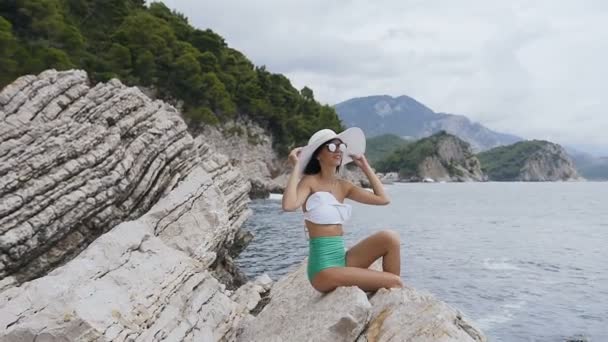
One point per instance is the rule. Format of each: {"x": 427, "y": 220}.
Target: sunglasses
{"x": 333, "y": 147}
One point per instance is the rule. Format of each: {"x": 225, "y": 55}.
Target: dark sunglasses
{"x": 333, "y": 147}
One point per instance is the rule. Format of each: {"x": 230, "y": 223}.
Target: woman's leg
{"x": 383, "y": 244}
{"x": 366, "y": 279}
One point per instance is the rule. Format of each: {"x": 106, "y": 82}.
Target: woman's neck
{"x": 328, "y": 174}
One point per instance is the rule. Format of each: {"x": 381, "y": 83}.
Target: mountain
{"x": 441, "y": 157}
{"x": 534, "y": 160}
{"x": 379, "y": 147}
{"x": 589, "y": 166}
{"x": 406, "y": 117}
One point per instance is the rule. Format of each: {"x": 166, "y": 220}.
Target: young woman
{"x": 321, "y": 193}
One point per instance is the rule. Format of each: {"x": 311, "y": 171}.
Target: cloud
{"x": 532, "y": 68}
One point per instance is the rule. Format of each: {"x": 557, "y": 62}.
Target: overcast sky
{"x": 537, "y": 69}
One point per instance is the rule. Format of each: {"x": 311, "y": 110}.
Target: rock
{"x": 408, "y": 315}
{"x": 277, "y": 185}
{"x": 388, "y": 178}
{"x": 442, "y": 157}
{"x": 297, "y": 312}
{"x": 143, "y": 280}
{"x": 251, "y": 293}
{"x": 453, "y": 161}
{"x": 533, "y": 160}
{"x": 354, "y": 175}
{"x": 550, "y": 163}
{"x": 249, "y": 148}
{"x": 75, "y": 161}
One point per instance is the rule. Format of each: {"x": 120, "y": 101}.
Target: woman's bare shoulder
{"x": 345, "y": 184}
{"x": 308, "y": 180}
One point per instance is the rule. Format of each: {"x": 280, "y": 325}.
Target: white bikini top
{"x": 322, "y": 207}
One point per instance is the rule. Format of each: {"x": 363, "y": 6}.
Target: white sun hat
{"x": 354, "y": 138}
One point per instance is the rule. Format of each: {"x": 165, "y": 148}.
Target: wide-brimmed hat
{"x": 354, "y": 138}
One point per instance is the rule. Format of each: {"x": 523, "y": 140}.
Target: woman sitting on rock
{"x": 321, "y": 194}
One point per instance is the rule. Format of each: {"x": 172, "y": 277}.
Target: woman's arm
{"x": 296, "y": 190}
{"x": 356, "y": 193}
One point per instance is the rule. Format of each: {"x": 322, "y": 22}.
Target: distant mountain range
{"x": 445, "y": 157}
{"x": 408, "y": 118}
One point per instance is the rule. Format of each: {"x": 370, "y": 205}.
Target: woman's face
{"x": 327, "y": 158}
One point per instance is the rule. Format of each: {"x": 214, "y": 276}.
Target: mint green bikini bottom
{"x": 325, "y": 252}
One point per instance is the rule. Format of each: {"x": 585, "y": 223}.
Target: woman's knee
{"x": 322, "y": 283}
{"x": 326, "y": 280}
{"x": 390, "y": 236}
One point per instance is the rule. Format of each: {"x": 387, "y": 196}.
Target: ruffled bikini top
{"x": 322, "y": 207}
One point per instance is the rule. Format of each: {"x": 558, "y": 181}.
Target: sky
{"x": 537, "y": 69}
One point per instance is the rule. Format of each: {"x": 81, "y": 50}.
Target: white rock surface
{"x": 249, "y": 148}
{"x": 409, "y": 315}
{"x": 139, "y": 281}
{"x": 75, "y": 162}
{"x": 297, "y": 312}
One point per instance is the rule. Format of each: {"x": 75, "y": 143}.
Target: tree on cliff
{"x": 156, "y": 47}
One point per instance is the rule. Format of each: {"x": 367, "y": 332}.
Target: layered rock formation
{"x": 249, "y": 148}
{"x": 76, "y": 161}
{"x": 145, "y": 280}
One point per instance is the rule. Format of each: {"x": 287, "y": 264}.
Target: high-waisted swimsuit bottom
{"x": 325, "y": 252}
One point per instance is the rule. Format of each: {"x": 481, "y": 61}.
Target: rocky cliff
{"x": 79, "y": 166}
{"x": 249, "y": 148}
{"x": 75, "y": 161}
{"x": 453, "y": 161}
{"x": 117, "y": 225}
{"x": 534, "y": 160}
{"x": 551, "y": 163}
{"x": 441, "y": 157}
{"x": 144, "y": 280}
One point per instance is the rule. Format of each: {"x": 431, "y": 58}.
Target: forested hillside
{"x": 154, "y": 47}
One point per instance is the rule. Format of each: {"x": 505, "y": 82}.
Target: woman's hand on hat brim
{"x": 294, "y": 156}
{"x": 360, "y": 161}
